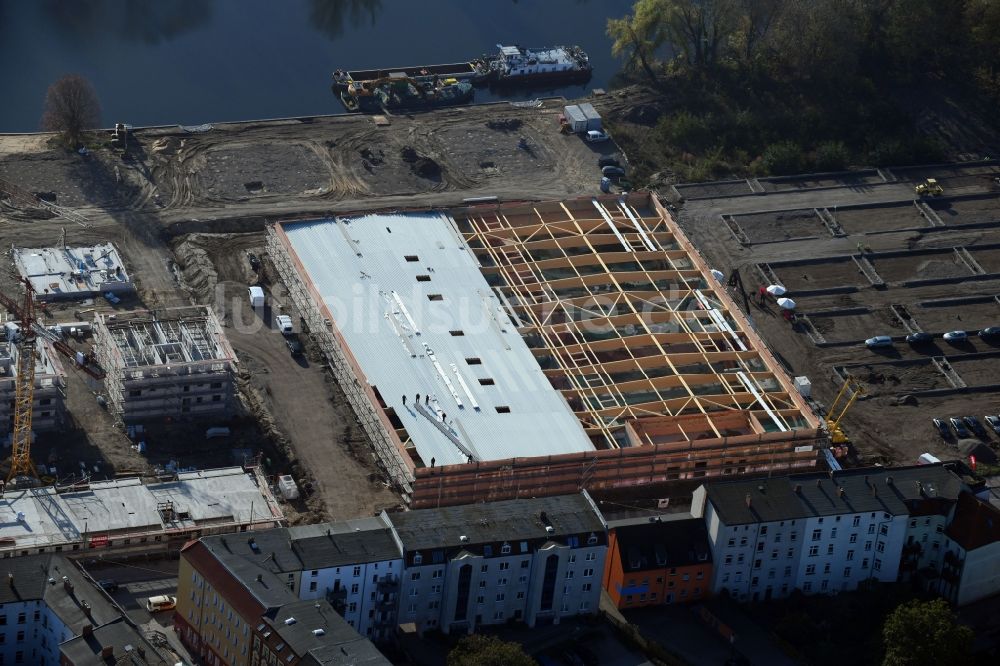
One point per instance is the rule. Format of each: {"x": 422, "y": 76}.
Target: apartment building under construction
{"x": 173, "y": 363}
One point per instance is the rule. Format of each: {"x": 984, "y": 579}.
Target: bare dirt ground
{"x": 183, "y": 207}
{"x": 893, "y": 422}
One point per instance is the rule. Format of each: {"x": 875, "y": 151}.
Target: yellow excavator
{"x": 836, "y": 412}
{"x": 929, "y": 188}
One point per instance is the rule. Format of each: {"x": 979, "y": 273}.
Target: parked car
{"x": 594, "y": 136}
{"x": 161, "y": 602}
{"x": 294, "y": 344}
{"x": 879, "y": 341}
{"x": 990, "y": 332}
{"x": 611, "y": 171}
{"x": 919, "y": 338}
{"x": 256, "y": 295}
{"x": 975, "y": 426}
{"x": 956, "y": 336}
{"x": 108, "y": 586}
{"x": 959, "y": 427}
{"x": 993, "y": 422}
{"x": 942, "y": 428}
{"x": 608, "y": 160}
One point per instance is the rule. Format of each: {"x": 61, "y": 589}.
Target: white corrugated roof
{"x": 398, "y": 325}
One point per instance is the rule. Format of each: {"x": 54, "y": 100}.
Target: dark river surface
{"x": 160, "y": 62}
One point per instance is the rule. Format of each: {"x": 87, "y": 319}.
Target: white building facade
{"x": 534, "y": 561}
{"x": 815, "y": 533}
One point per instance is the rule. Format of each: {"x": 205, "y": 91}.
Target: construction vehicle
{"x": 22, "y": 470}
{"x": 929, "y": 188}
{"x": 833, "y": 417}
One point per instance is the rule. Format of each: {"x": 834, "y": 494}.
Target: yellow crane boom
{"x": 24, "y": 396}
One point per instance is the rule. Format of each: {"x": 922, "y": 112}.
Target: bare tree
{"x": 71, "y": 108}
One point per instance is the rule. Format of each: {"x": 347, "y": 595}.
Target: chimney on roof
{"x": 866, "y": 481}
{"x": 840, "y": 491}
{"x": 107, "y": 651}
{"x": 87, "y": 630}
{"x": 920, "y": 489}
{"x": 798, "y": 488}
{"x": 10, "y": 579}
{"x": 67, "y": 585}
{"x": 874, "y": 490}
{"x": 819, "y": 483}
{"x": 831, "y": 475}
{"x": 749, "y": 500}
{"x": 760, "y": 489}
{"x": 888, "y": 480}
{"x": 260, "y": 578}
{"x": 86, "y": 608}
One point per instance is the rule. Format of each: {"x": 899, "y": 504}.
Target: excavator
{"x": 834, "y": 417}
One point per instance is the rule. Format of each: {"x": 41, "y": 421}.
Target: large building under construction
{"x": 515, "y": 350}
{"x": 173, "y": 363}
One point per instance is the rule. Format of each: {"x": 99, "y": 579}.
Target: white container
{"x": 804, "y": 386}
{"x": 576, "y": 118}
{"x": 284, "y": 323}
{"x": 256, "y": 297}
{"x": 927, "y": 459}
{"x": 287, "y": 487}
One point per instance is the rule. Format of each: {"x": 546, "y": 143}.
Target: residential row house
{"x": 833, "y": 532}
{"x": 229, "y": 585}
{"x": 452, "y": 569}
{"x": 661, "y": 559}
{"x": 530, "y": 560}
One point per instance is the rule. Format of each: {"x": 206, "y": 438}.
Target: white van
{"x": 161, "y": 602}
{"x": 256, "y": 297}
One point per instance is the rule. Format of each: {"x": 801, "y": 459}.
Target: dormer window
{"x": 505, "y": 549}
{"x": 417, "y": 558}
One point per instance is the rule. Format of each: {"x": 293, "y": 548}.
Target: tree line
{"x": 780, "y": 85}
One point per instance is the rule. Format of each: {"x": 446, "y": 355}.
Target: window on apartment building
{"x": 847, "y": 572}
{"x": 732, "y": 542}
{"x": 482, "y": 583}
{"x": 871, "y": 528}
{"x": 743, "y": 541}
{"x": 585, "y": 588}
{"x": 520, "y": 595}
{"x": 774, "y": 554}
{"x": 770, "y": 574}
{"x": 20, "y": 636}
{"x": 415, "y": 575}
{"x": 352, "y": 607}
{"x": 807, "y": 586}
{"x": 504, "y": 566}
{"x": 498, "y": 615}
{"x": 21, "y": 617}
{"x": 729, "y": 559}
{"x": 522, "y": 579}
{"x": 505, "y": 548}
{"x": 880, "y": 546}
{"x": 569, "y": 573}
{"x": 756, "y": 565}
{"x": 883, "y": 530}
{"x": 763, "y": 530}
{"x": 502, "y": 581}
{"x": 354, "y": 588}
{"x": 312, "y": 586}
{"x": 777, "y": 538}
{"x": 864, "y": 563}
{"x": 829, "y": 549}
{"x": 484, "y": 568}
{"x": 813, "y": 551}
{"x": 754, "y": 581}
{"x": 936, "y": 545}
{"x": 357, "y": 571}
{"x": 584, "y": 605}
{"x": 810, "y": 569}
{"x": 877, "y": 564}
{"x": 868, "y": 546}
{"x": 418, "y": 559}
{"x": 824, "y": 585}
{"x": 817, "y": 535}
{"x": 725, "y": 578}
{"x": 740, "y": 558}
{"x": 587, "y": 573}
{"x": 913, "y": 522}
{"x": 833, "y": 532}
{"x": 433, "y": 605}
{"x": 857, "y": 521}
{"x": 487, "y": 551}
{"x": 480, "y": 599}
{"x": 500, "y": 596}
{"x": 591, "y": 557}
{"x": 437, "y": 573}
{"x": 854, "y": 538}
{"x": 826, "y": 568}
{"x": 760, "y": 546}
{"x": 793, "y": 536}
{"x": 850, "y": 555}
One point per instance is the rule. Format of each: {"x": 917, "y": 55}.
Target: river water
{"x": 189, "y": 62}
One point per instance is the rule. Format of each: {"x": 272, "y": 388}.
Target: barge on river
{"x": 474, "y": 71}
{"x": 400, "y": 92}
{"x": 555, "y": 64}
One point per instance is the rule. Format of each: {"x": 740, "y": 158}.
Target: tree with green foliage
{"x": 639, "y": 35}
{"x": 480, "y": 650}
{"x": 925, "y": 633}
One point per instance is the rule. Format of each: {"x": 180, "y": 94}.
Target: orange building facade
{"x": 657, "y": 560}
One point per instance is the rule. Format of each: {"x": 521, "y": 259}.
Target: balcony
{"x": 387, "y": 584}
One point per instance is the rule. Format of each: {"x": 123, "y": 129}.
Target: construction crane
{"x": 21, "y": 466}
{"x": 833, "y": 417}
{"x": 80, "y": 361}
{"x": 24, "y": 395}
